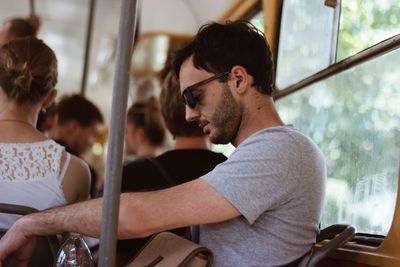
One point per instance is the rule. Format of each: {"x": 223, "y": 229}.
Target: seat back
{"x": 337, "y": 234}
{"x": 46, "y": 246}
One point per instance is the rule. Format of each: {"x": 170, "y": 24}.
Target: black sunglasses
{"x": 187, "y": 94}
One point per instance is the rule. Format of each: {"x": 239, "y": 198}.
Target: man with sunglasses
{"x": 262, "y": 206}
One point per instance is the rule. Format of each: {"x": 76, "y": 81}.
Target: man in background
{"x": 79, "y": 122}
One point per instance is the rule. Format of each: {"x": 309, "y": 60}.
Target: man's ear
{"x": 240, "y": 78}
{"x": 49, "y": 98}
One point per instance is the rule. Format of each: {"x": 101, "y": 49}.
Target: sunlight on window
{"x": 354, "y": 118}
{"x": 365, "y": 23}
{"x": 305, "y": 41}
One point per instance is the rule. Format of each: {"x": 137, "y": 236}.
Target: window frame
{"x": 386, "y": 251}
{"x": 336, "y": 5}
{"x": 369, "y": 53}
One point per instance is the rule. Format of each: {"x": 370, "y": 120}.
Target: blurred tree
{"x": 364, "y": 23}
{"x": 355, "y": 116}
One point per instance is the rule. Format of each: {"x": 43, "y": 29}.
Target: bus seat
{"x": 337, "y": 234}
{"x": 46, "y": 246}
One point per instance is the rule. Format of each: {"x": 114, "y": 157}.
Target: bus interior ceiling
{"x": 64, "y": 27}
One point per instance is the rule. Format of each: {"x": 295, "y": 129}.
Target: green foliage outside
{"x": 354, "y": 117}
{"x": 364, "y": 23}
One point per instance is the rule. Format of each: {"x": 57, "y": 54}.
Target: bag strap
{"x": 195, "y": 233}
{"x": 161, "y": 170}
{"x": 194, "y": 229}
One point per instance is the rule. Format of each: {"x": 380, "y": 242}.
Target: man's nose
{"x": 191, "y": 114}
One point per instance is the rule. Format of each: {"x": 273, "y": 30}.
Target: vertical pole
{"x": 86, "y": 61}
{"x": 32, "y": 7}
{"x": 335, "y": 30}
{"x": 112, "y": 188}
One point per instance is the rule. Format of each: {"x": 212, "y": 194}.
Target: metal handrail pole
{"x": 112, "y": 188}
{"x": 32, "y": 8}
{"x": 89, "y": 32}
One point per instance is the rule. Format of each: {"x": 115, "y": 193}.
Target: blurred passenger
{"x": 18, "y": 28}
{"x": 34, "y": 171}
{"x": 79, "y": 121}
{"x": 47, "y": 119}
{"x": 190, "y": 159}
{"x": 145, "y": 131}
{"x": 145, "y": 89}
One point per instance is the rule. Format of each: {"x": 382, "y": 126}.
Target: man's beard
{"x": 226, "y": 118}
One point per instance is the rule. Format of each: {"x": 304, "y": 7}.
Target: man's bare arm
{"x": 140, "y": 214}
{"x": 195, "y": 202}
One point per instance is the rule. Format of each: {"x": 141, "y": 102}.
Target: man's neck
{"x": 63, "y": 136}
{"x": 259, "y": 115}
{"x": 147, "y": 150}
{"x": 195, "y": 142}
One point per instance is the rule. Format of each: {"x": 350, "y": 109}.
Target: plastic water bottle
{"x": 74, "y": 253}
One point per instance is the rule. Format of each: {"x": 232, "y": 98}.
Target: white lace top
{"x": 31, "y": 175}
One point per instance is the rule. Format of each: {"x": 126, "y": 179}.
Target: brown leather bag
{"x": 169, "y": 250}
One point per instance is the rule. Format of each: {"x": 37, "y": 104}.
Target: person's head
{"x": 18, "y": 28}
{"x": 173, "y": 109}
{"x": 144, "y": 127}
{"x": 78, "y": 122}
{"x": 217, "y": 48}
{"x": 221, "y": 71}
{"x": 145, "y": 89}
{"x": 28, "y": 72}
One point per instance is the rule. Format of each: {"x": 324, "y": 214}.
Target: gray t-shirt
{"x": 276, "y": 178}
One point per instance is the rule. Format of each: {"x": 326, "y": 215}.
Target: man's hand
{"x": 16, "y": 243}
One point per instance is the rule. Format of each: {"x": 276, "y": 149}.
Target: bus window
{"x": 305, "y": 41}
{"x": 258, "y": 20}
{"x": 70, "y": 53}
{"x": 354, "y": 117}
{"x": 57, "y": 23}
{"x": 365, "y": 23}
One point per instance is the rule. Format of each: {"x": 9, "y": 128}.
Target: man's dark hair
{"x": 218, "y": 47}
{"x": 78, "y": 108}
{"x": 173, "y": 109}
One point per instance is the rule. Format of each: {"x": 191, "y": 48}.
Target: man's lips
{"x": 201, "y": 124}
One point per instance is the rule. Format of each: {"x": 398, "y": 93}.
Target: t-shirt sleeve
{"x": 258, "y": 176}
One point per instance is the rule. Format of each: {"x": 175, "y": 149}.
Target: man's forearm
{"x": 140, "y": 214}
{"x": 83, "y": 217}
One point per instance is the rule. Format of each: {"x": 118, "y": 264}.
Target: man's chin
{"x": 218, "y": 140}
{"x": 207, "y": 130}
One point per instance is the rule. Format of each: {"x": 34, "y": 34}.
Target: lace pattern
{"x": 30, "y": 161}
